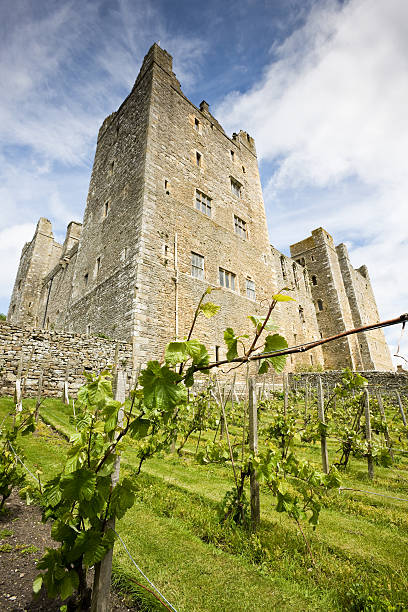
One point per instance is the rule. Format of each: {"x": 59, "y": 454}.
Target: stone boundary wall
{"x": 380, "y": 380}
{"x": 53, "y": 352}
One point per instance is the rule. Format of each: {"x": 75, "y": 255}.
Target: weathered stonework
{"x": 56, "y": 354}
{"x": 128, "y": 273}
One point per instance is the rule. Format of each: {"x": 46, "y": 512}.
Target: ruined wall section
{"x": 38, "y": 257}
{"x": 189, "y": 153}
{"x": 297, "y": 320}
{"x": 373, "y": 346}
{"x": 53, "y": 352}
{"x": 104, "y": 282}
{"x": 332, "y": 306}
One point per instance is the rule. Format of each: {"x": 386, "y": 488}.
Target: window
{"x": 236, "y": 188}
{"x": 196, "y": 125}
{"x": 314, "y": 280}
{"x": 197, "y": 265}
{"x": 312, "y": 258}
{"x": 232, "y": 155}
{"x": 240, "y": 227}
{"x": 98, "y": 265}
{"x": 86, "y": 278}
{"x": 227, "y": 279}
{"x": 301, "y": 314}
{"x": 295, "y": 276}
{"x": 106, "y": 209}
{"x": 198, "y": 159}
{"x": 217, "y": 353}
{"x": 88, "y": 329}
{"x": 250, "y": 288}
{"x": 320, "y": 304}
{"x": 283, "y": 266}
{"x": 203, "y": 203}
{"x": 19, "y": 284}
{"x": 166, "y": 187}
{"x": 243, "y": 169}
{"x": 112, "y": 165}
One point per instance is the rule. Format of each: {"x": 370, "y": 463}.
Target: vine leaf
{"x": 209, "y": 309}
{"x": 162, "y": 388}
{"x": 273, "y": 343}
{"x": 231, "y": 340}
{"x": 279, "y": 297}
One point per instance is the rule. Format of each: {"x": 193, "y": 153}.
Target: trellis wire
{"x": 144, "y": 575}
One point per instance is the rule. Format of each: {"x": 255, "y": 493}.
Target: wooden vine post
{"x": 18, "y": 398}
{"x": 401, "y": 407}
{"x": 253, "y": 445}
{"x": 323, "y": 439}
{"x": 384, "y": 420}
{"x": 65, "y": 396}
{"x": 285, "y": 393}
{"x": 370, "y": 462}
{"x": 103, "y": 569}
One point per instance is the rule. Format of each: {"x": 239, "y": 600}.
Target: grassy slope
{"x": 174, "y": 534}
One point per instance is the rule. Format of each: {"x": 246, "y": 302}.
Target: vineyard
{"x": 227, "y": 495}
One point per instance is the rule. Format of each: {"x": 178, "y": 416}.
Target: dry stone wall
{"x": 54, "y": 352}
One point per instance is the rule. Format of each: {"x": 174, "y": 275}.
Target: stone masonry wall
{"x": 53, "y": 352}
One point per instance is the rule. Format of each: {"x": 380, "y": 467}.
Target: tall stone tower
{"x": 38, "y": 256}
{"x": 174, "y": 205}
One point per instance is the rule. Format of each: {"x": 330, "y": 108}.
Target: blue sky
{"x": 320, "y": 84}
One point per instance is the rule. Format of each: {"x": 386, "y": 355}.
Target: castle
{"x": 175, "y": 205}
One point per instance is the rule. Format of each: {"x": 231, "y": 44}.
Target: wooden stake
{"x": 401, "y": 407}
{"x": 103, "y": 569}
{"x": 65, "y": 396}
{"x": 323, "y": 440}
{"x": 384, "y": 420}
{"x": 253, "y": 445}
{"x": 17, "y": 392}
{"x": 39, "y": 395}
{"x": 285, "y": 394}
{"x": 370, "y": 463}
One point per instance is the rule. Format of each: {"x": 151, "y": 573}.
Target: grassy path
{"x": 174, "y": 533}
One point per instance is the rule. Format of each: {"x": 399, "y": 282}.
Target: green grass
{"x": 173, "y": 532}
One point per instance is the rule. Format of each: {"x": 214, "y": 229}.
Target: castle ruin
{"x": 175, "y": 205}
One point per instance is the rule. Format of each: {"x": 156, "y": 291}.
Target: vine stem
{"x": 309, "y": 550}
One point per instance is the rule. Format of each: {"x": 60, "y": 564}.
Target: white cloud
{"x": 330, "y": 113}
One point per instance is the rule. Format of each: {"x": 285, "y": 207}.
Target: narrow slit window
{"x": 227, "y": 279}
{"x": 232, "y": 155}
{"x": 240, "y": 227}
{"x": 314, "y": 280}
{"x": 106, "y": 209}
{"x": 196, "y": 125}
{"x": 198, "y": 159}
{"x": 98, "y": 265}
{"x": 250, "y": 288}
{"x": 236, "y": 188}
{"x": 86, "y": 278}
{"x": 203, "y": 203}
{"x": 197, "y": 265}
{"x": 283, "y": 266}
{"x": 320, "y": 304}
{"x": 167, "y": 187}
{"x": 217, "y": 353}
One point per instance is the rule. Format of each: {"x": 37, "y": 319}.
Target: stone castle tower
{"x": 175, "y": 205}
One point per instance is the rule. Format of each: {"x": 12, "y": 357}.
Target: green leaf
{"x": 176, "y": 352}
{"x": 162, "y": 387}
{"x": 79, "y": 485}
{"x": 231, "y": 340}
{"x": 274, "y": 343}
{"x": 123, "y": 498}
{"x": 69, "y": 584}
{"x": 52, "y": 494}
{"x": 279, "y": 297}
{"x": 139, "y": 428}
{"x": 209, "y": 309}
{"x": 259, "y": 321}
{"x": 110, "y": 413}
{"x": 37, "y": 584}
